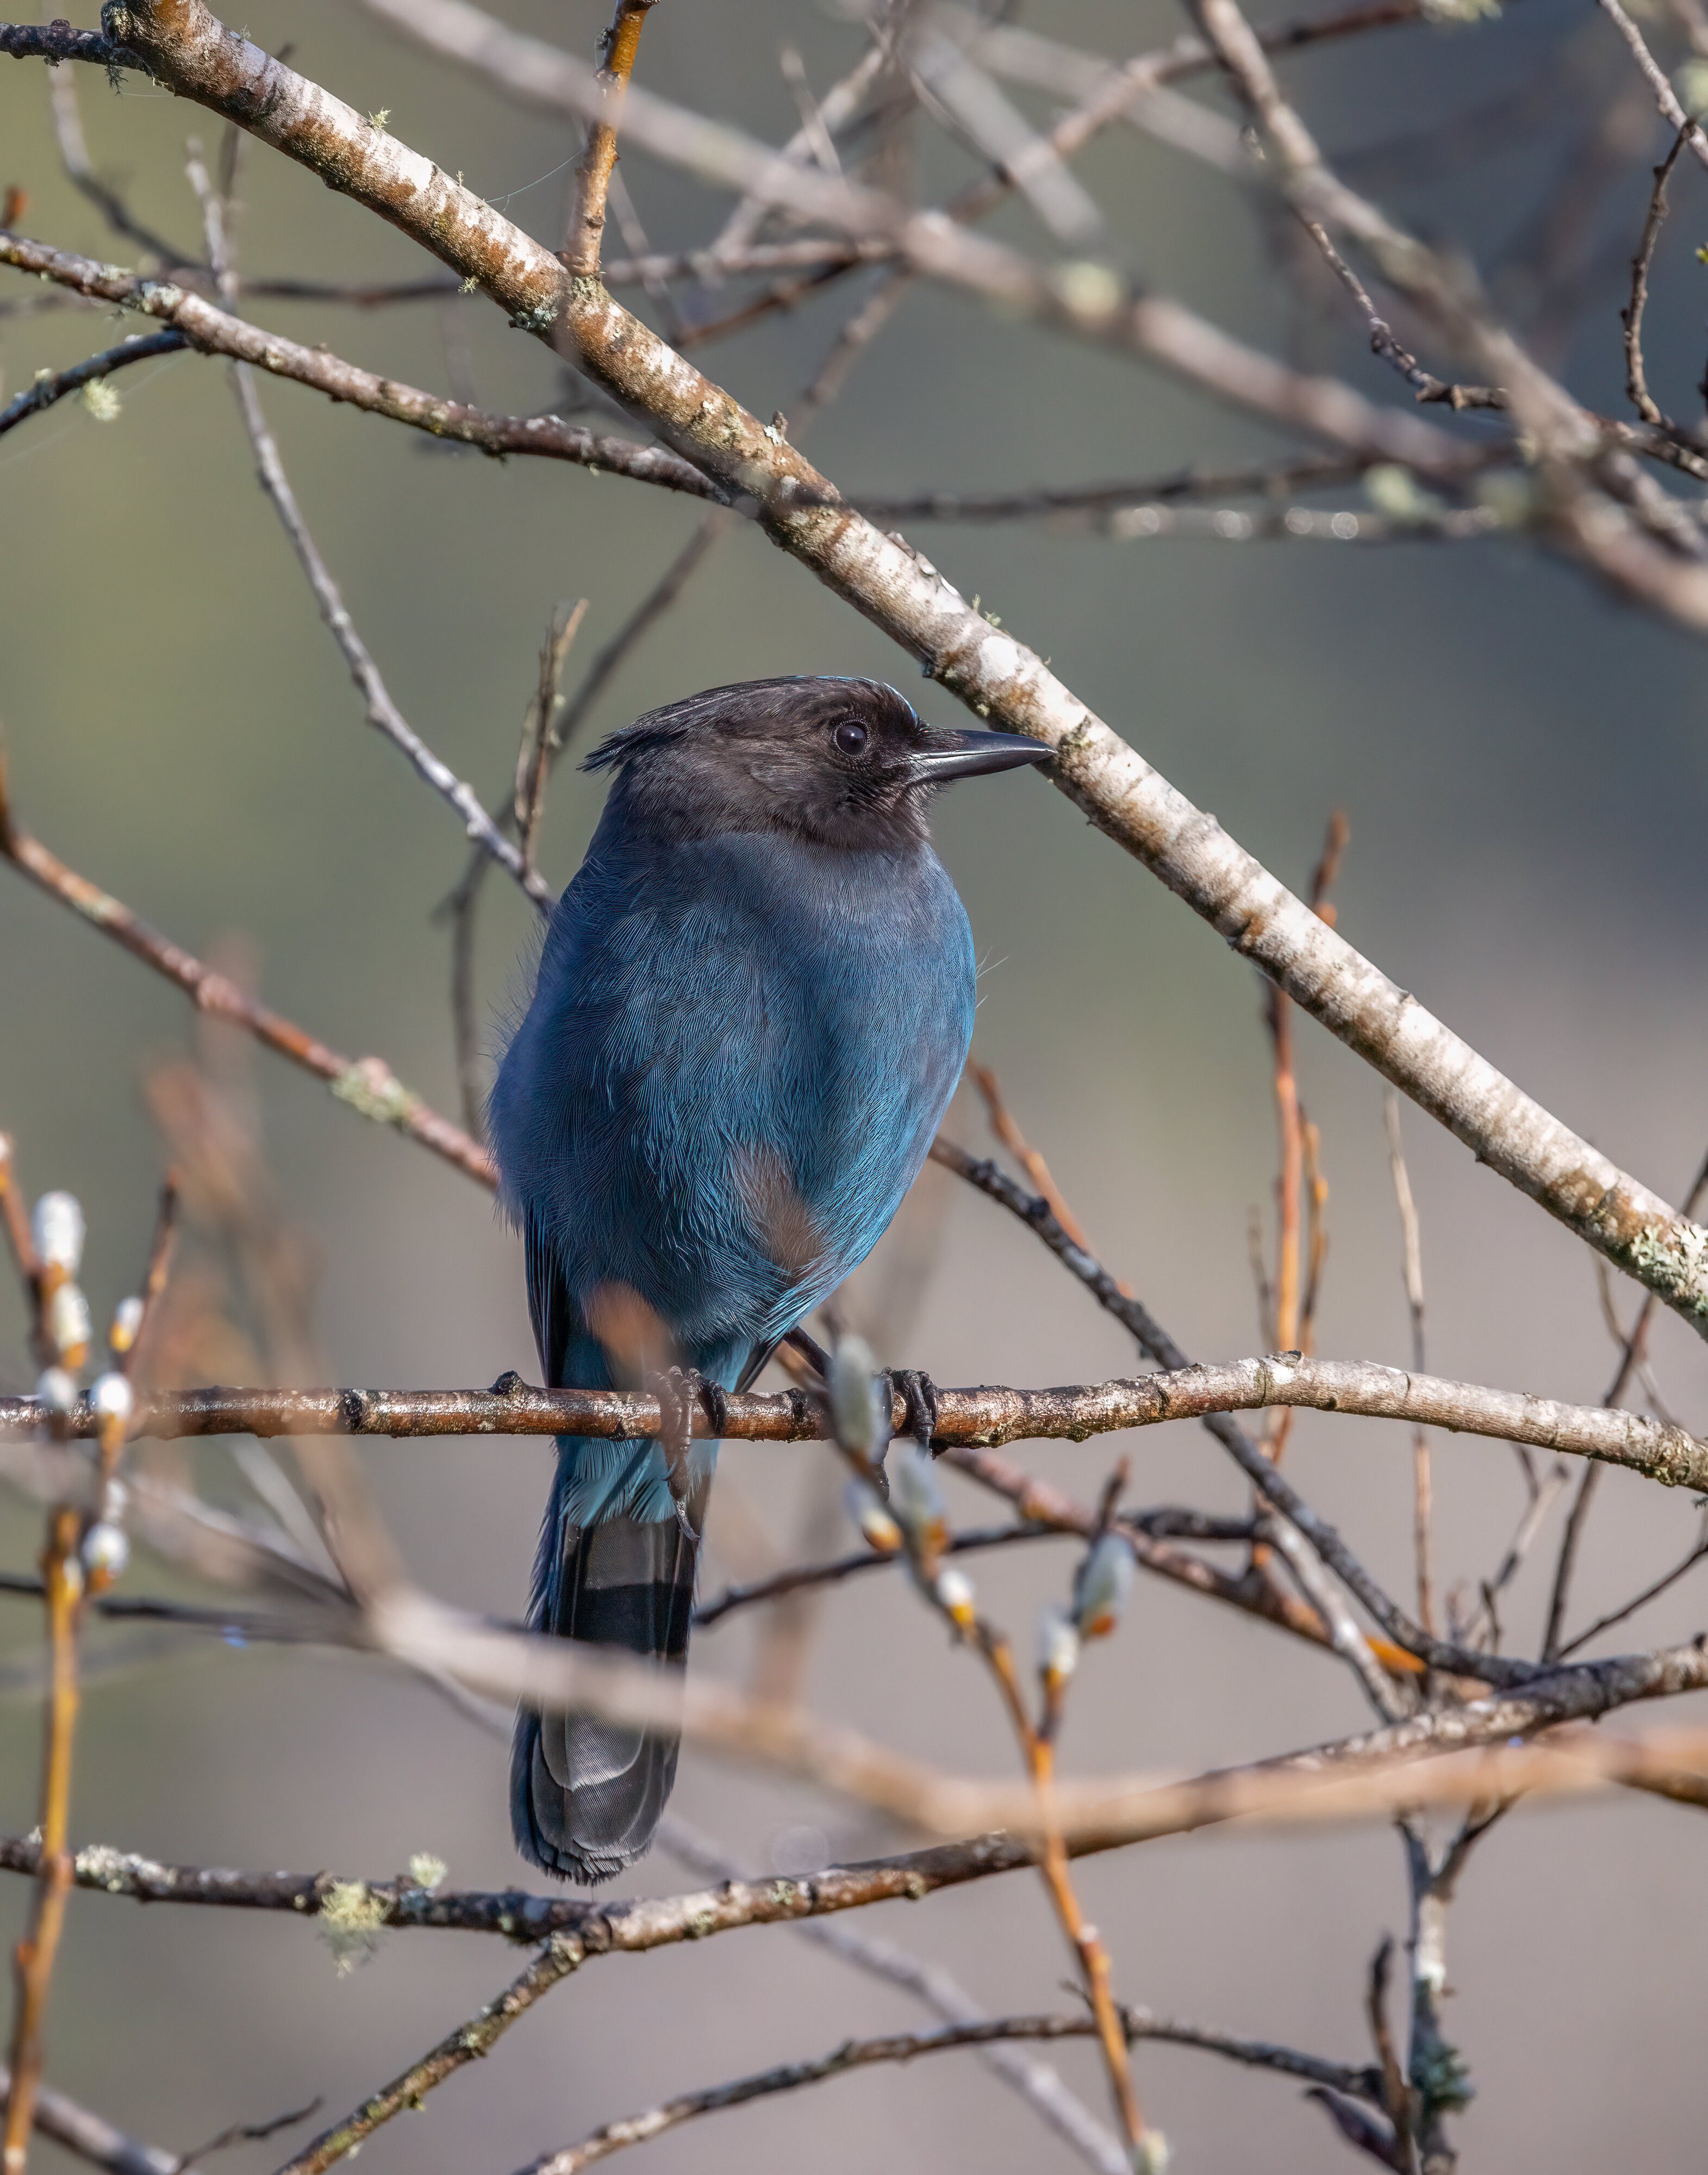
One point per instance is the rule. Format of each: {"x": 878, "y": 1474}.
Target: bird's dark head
{"x": 843, "y": 762}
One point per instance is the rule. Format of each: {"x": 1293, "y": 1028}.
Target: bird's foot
{"x": 919, "y": 1395}
{"x": 678, "y": 1390}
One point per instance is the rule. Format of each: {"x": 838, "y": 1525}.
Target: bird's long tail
{"x": 586, "y": 1795}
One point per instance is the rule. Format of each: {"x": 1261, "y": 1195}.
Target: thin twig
{"x": 382, "y": 712}
{"x": 904, "y": 2046}
{"x": 1630, "y": 1359}
{"x": 1412, "y": 1269}
{"x": 213, "y": 331}
{"x": 32, "y": 1959}
{"x": 540, "y": 723}
{"x": 1037, "y": 2081}
{"x": 598, "y": 162}
{"x": 1666, "y": 98}
{"x": 1631, "y": 316}
{"x": 560, "y": 1956}
{"x": 51, "y": 386}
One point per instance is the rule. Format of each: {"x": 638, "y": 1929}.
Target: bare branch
{"x": 367, "y": 1084}
{"x": 213, "y": 331}
{"x": 51, "y": 387}
{"x": 1666, "y": 98}
{"x": 598, "y": 162}
{"x": 984, "y": 1417}
{"x": 906, "y": 2046}
{"x": 1636, "y": 379}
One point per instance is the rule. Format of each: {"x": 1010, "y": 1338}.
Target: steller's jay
{"x": 753, "y": 1004}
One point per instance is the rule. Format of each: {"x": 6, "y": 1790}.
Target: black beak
{"x": 972, "y": 755}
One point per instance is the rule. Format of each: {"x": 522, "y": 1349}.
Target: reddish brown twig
{"x": 127, "y": 1333}
{"x": 34, "y": 1957}
{"x": 619, "y": 45}
{"x": 13, "y": 1215}
{"x": 1294, "y": 1321}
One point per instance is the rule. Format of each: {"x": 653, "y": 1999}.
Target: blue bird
{"x": 752, "y": 1007}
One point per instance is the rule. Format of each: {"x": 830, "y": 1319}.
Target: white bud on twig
{"x": 56, "y": 1390}
{"x": 1058, "y": 1645}
{"x": 954, "y": 1592}
{"x": 858, "y": 1412}
{"x": 127, "y": 1324}
{"x": 57, "y": 1230}
{"x": 111, "y": 1397}
{"x": 1101, "y": 1585}
{"x": 105, "y": 1551}
{"x": 870, "y": 1516}
{"x": 915, "y": 1497}
{"x": 69, "y": 1328}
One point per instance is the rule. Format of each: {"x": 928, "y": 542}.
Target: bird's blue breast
{"x": 737, "y": 1053}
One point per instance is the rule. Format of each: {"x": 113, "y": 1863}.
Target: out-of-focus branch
{"x": 51, "y": 387}
{"x": 79, "y": 167}
{"x": 32, "y": 1959}
{"x": 90, "y": 2136}
{"x": 1094, "y": 306}
{"x": 1405, "y": 1763}
{"x": 1666, "y": 98}
{"x": 367, "y": 1084}
{"x": 213, "y": 331}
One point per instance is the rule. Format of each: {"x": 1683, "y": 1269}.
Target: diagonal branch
{"x": 383, "y": 713}
{"x": 367, "y": 1084}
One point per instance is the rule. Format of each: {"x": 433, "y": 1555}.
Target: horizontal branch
{"x": 213, "y": 331}
{"x": 981, "y": 1417}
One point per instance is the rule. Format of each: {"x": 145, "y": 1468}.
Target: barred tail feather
{"x": 586, "y": 1795}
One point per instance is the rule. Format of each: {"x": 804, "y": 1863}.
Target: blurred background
{"x": 1523, "y": 764}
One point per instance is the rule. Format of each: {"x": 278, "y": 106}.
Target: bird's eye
{"x": 851, "y": 737}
